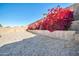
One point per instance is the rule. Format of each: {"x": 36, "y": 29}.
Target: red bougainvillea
{"x": 56, "y": 19}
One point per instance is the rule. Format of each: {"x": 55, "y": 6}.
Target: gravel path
{"x": 18, "y": 42}
{"x": 38, "y": 46}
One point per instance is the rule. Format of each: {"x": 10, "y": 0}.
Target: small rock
{"x": 0, "y": 36}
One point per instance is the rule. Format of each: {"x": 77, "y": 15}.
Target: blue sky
{"x": 21, "y": 14}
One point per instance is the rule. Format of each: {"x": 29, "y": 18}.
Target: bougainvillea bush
{"x": 56, "y": 19}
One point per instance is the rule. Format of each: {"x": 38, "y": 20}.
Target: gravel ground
{"x": 38, "y": 46}
{"x": 16, "y": 42}
{"x": 10, "y": 35}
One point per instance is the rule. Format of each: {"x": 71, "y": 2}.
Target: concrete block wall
{"x": 65, "y": 35}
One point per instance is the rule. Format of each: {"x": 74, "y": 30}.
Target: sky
{"x": 22, "y": 14}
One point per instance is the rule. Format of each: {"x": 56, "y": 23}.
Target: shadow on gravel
{"x": 38, "y": 46}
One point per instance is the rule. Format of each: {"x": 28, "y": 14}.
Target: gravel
{"x": 18, "y": 42}
{"x": 39, "y": 46}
